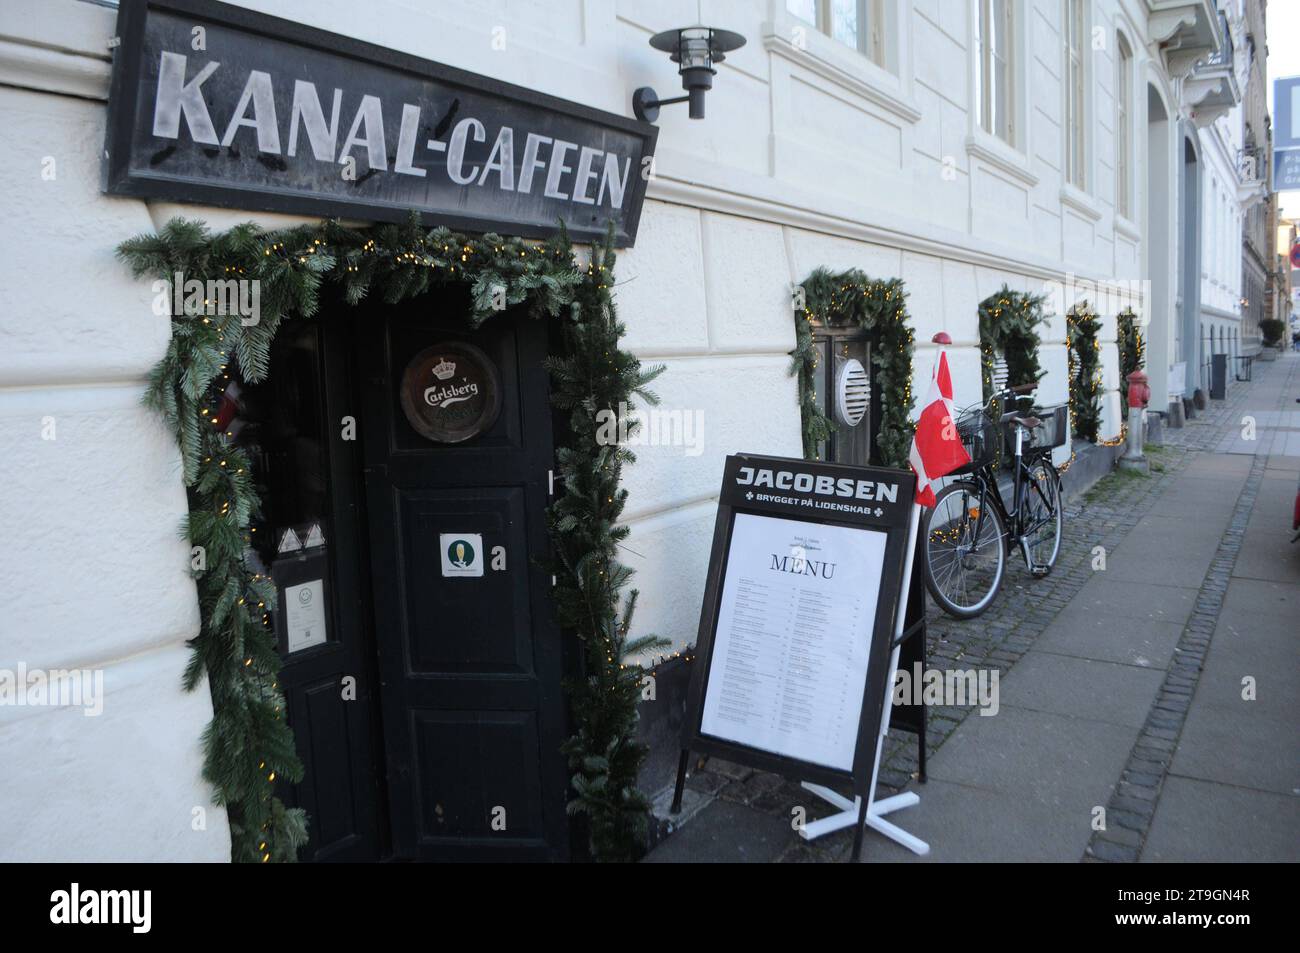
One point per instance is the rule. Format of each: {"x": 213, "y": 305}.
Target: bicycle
{"x": 970, "y": 529}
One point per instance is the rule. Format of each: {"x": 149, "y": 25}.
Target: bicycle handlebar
{"x": 1020, "y": 390}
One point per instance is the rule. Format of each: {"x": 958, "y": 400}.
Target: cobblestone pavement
{"x": 1133, "y": 694}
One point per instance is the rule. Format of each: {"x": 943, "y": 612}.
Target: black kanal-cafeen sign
{"x": 216, "y": 104}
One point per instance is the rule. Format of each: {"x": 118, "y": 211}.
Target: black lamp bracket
{"x": 646, "y": 103}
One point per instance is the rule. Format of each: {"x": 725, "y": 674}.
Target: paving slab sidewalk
{"x": 1121, "y": 688}
{"x": 1233, "y": 786}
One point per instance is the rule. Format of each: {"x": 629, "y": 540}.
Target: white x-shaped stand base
{"x": 876, "y": 812}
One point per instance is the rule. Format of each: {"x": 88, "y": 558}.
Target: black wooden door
{"x": 470, "y": 665}
{"x": 309, "y": 472}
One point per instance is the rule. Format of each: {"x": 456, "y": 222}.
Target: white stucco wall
{"x": 93, "y": 566}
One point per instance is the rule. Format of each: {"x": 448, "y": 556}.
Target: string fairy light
{"x": 851, "y": 299}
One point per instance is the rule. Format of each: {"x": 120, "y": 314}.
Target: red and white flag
{"x": 936, "y": 447}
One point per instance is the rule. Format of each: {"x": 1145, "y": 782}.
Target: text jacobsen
{"x": 821, "y": 485}
{"x": 556, "y": 168}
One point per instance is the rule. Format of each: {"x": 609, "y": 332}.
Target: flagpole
{"x": 898, "y": 629}
{"x": 874, "y": 817}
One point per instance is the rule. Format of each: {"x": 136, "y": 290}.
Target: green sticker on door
{"x": 462, "y": 554}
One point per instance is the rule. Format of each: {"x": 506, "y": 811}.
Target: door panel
{"x": 473, "y": 762}
{"x": 310, "y": 479}
{"x": 466, "y": 625}
{"x": 470, "y": 664}
{"x": 325, "y": 732}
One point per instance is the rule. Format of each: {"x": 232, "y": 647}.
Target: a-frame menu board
{"x": 799, "y": 612}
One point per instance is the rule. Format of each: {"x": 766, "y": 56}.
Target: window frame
{"x": 806, "y": 52}
{"x": 870, "y": 41}
{"x": 986, "y": 55}
{"x": 1012, "y": 159}
{"x": 1074, "y": 41}
{"x": 1124, "y": 138}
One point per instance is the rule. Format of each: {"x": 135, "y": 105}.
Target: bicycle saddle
{"x": 1029, "y": 422}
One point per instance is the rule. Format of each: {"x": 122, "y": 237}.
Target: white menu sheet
{"x": 793, "y": 638}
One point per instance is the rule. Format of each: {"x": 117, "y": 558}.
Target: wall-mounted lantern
{"x": 696, "y": 50}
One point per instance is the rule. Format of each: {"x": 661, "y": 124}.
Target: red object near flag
{"x": 936, "y": 446}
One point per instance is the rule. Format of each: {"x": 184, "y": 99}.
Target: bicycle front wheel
{"x": 1044, "y": 517}
{"x": 964, "y": 550}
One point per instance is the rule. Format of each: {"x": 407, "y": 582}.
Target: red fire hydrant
{"x": 1139, "y": 395}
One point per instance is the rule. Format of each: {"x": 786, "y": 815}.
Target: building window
{"x": 994, "y": 30}
{"x": 1075, "y": 39}
{"x": 856, "y": 23}
{"x": 1123, "y": 134}
{"x": 1213, "y": 254}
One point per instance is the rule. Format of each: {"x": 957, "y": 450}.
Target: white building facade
{"x": 1232, "y": 183}
{"x": 959, "y": 145}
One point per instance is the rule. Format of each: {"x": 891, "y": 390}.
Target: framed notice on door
{"x": 798, "y": 616}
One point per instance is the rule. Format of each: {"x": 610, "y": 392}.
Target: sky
{"x": 1283, "y": 26}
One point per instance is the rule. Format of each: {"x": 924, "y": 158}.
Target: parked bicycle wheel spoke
{"x": 964, "y": 550}
{"x": 1044, "y": 518}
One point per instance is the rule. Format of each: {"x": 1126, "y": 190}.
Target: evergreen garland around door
{"x": 248, "y": 745}
{"x": 851, "y": 299}
{"x": 1082, "y": 327}
{"x": 1008, "y": 324}
{"x": 1132, "y": 352}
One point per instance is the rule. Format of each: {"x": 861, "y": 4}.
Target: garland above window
{"x": 851, "y": 299}
{"x": 1082, "y": 327}
{"x": 1009, "y": 322}
{"x": 248, "y": 746}
{"x": 1132, "y": 352}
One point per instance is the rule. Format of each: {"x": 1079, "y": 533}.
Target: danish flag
{"x": 936, "y": 447}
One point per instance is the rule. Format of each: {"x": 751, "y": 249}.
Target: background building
{"x": 1259, "y": 235}
{"x": 1232, "y": 192}
{"x": 1284, "y": 274}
